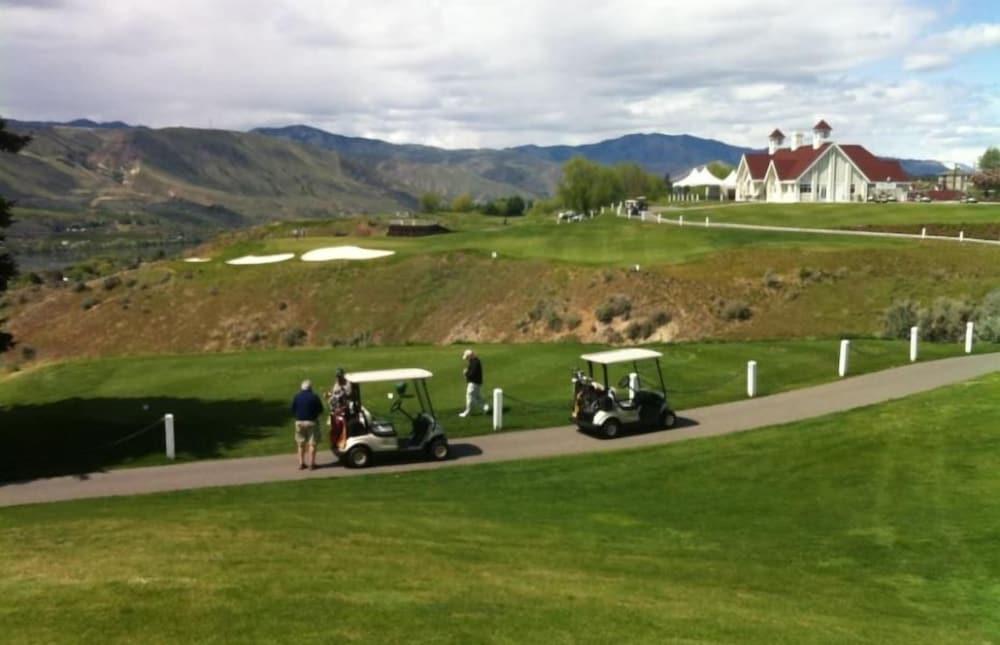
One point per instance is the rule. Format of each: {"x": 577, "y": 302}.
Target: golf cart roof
{"x": 627, "y": 355}
{"x": 388, "y": 376}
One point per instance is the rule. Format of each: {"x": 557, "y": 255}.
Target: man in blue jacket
{"x": 307, "y": 407}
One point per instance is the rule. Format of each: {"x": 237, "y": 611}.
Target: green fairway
{"x": 605, "y": 240}
{"x": 874, "y": 526}
{"x": 849, "y": 215}
{"x": 69, "y": 417}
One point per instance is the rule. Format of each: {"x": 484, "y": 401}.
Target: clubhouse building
{"x": 822, "y": 172}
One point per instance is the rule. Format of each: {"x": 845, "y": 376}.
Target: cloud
{"x": 940, "y": 50}
{"x": 489, "y": 73}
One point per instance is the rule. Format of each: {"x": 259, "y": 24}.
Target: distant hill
{"x": 75, "y": 123}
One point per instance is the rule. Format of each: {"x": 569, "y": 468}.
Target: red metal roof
{"x": 777, "y": 134}
{"x": 822, "y": 125}
{"x": 790, "y": 164}
{"x": 875, "y": 168}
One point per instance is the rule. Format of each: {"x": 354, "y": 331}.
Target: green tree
{"x": 10, "y": 143}
{"x": 719, "y": 169}
{"x": 430, "y": 202}
{"x": 462, "y": 204}
{"x": 990, "y": 159}
{"x": 515, "y": 205}
{"x": 587, "y": 186}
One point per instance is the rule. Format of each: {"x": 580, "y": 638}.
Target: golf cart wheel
{"x": 611, "y": 429}
{"x": 438, "y": 450}
{"x": 359, "y": 457}
{"x": 668, "y": 419}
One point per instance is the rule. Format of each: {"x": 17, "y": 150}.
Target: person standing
{"x": 473, "y": 384}
{"x": 342, "y": 396}
{"x": 307, "y": 407}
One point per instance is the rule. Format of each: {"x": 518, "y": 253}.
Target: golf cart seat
{"x": 383, "y": 429}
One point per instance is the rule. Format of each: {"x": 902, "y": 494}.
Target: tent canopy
{"x": 699, "y": 176}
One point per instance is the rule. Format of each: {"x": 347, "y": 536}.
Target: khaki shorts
{"x": 306, "y": 432}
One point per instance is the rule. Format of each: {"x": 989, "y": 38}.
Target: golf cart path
{"x": 696, "y": 423}
{"x": 662, "y": 212}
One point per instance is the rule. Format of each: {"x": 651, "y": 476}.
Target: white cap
{"x": 466, "y": 354}
{"x": 307, "y": 384}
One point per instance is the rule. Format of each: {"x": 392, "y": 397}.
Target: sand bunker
{"x": 261, "y": 259}
{"x": 344, "y": 253}
{"x": 197, "y": 260}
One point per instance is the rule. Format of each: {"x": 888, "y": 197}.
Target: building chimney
{"x": 821, "y": 133}
{"x": 796, "y": 140}
{"x": 774, "y": 141}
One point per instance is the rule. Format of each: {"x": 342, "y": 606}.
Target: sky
{"x": 906, "y": 78}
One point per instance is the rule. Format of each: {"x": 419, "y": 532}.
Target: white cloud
{"x": 941, "y": 50}
{"x": 490, "y": 73}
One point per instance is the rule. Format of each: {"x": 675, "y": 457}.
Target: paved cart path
{"x": 696, "y": 423}
{"x": 695, "y": 223}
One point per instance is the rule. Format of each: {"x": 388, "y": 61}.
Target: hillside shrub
{"x": 988, "y": 319}
{"x": 28, "y": 353}
{"x": 661, "y": 318}
{"x": 294, "y": 337}
{"x": 639, "y": 330}
{"x": 614, "y": 307}
{"x": 111, "y": 282}
{"x": 945, "y": 319}
{"x": 732, "y": 310}
{"x": 572, "y": 321}
{"x": 89, "y": 303}
{"x": 554, "y": 321}
{"x": 898, "y": 319}
{"x": 772, "y": 280}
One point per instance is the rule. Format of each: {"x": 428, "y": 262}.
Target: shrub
{"x": 661, "y": 318}
{"x": 28, "y": 353}
{"x": 639, "y": 330}
{"x": 772, "y": 280}
{"x": 572, "y": 321}
{"x": 294, "y": 337}
{"x": 731, "y": 310}
{"x": 282, "y": 306}
{"x": 131, "y": 282}
{"x": 111, "y": 282}
{"x": 89, "y": 303}
{"x": 33, "y": 278}
{"x": 988, "y": 318}
{"x": 613, "y": 337}
{"x": 899, "y": 318}
{"x": 554, "y": 322}
{"x": 615, "y": 306}
{"x": 361, "y": 339}
{"x": 945, "y": 319}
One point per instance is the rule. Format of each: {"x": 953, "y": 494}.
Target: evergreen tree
{"x": 10, "y": 143}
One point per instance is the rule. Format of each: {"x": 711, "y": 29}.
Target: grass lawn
{"x": 605, "y": 241}
{"x": 875, "y": 526}
{"x": 852, "y": 215}
{"x": 61, "y": 419}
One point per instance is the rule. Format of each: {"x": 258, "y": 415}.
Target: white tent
{"x": 699, "y": 176}
{"x": 729, "y": 183}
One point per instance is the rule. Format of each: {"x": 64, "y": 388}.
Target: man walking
{"x": 306, "y": 407}
{"x": 473, "y": 384}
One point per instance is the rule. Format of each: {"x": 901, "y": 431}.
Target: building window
{"x": 852, "y": 189}
{"x": 805, "y": 188}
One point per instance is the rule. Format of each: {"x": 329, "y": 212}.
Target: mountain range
{"x": 221, "y": 178}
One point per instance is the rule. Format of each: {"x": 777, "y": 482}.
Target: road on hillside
{"x": 696, "y": 423}
{"x": 692, "y": 222}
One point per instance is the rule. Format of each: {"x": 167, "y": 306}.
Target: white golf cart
{"x": 369, "y": 434}
{"x": 598, "y": 407}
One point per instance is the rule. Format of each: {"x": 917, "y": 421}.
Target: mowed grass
{"x": 849, "y": 215}
{"x": 875, "y": 526}
{"x": 80, "y": 415}
{"x": 605, "y": 240}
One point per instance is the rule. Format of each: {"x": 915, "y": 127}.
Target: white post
{"x": 961, "y": 236}
{"x": 968, "y": 337}
{"x": 497, "y": 409}
{"x": 845, "y": 347}
{"x": 168, "y": 423}
{"x": 751, "y": 379}
{"x": 706, "y": 221}
{"x": 633, "y": 385}
{"x": 680, "y": 220}
{"x": 923, "y": 233}
{"x": 658, "y": 221}
{"x": 914, "y": 343}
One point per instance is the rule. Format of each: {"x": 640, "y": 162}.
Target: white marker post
{"x": 969, "y": 328}
{"x": 658, "y": 219}
{"x": 680, "y": 220}
{"x": 923, "y": 233}
{"x": 845, "y": 348}
{"x": 706, "y": 222}
{"x": 168, "y": 424}
{"x": 497, "y": 409}
{"x": 751, "y": 379}
{"x": 914, "y": 343}
{"x": 961, "y": 236}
